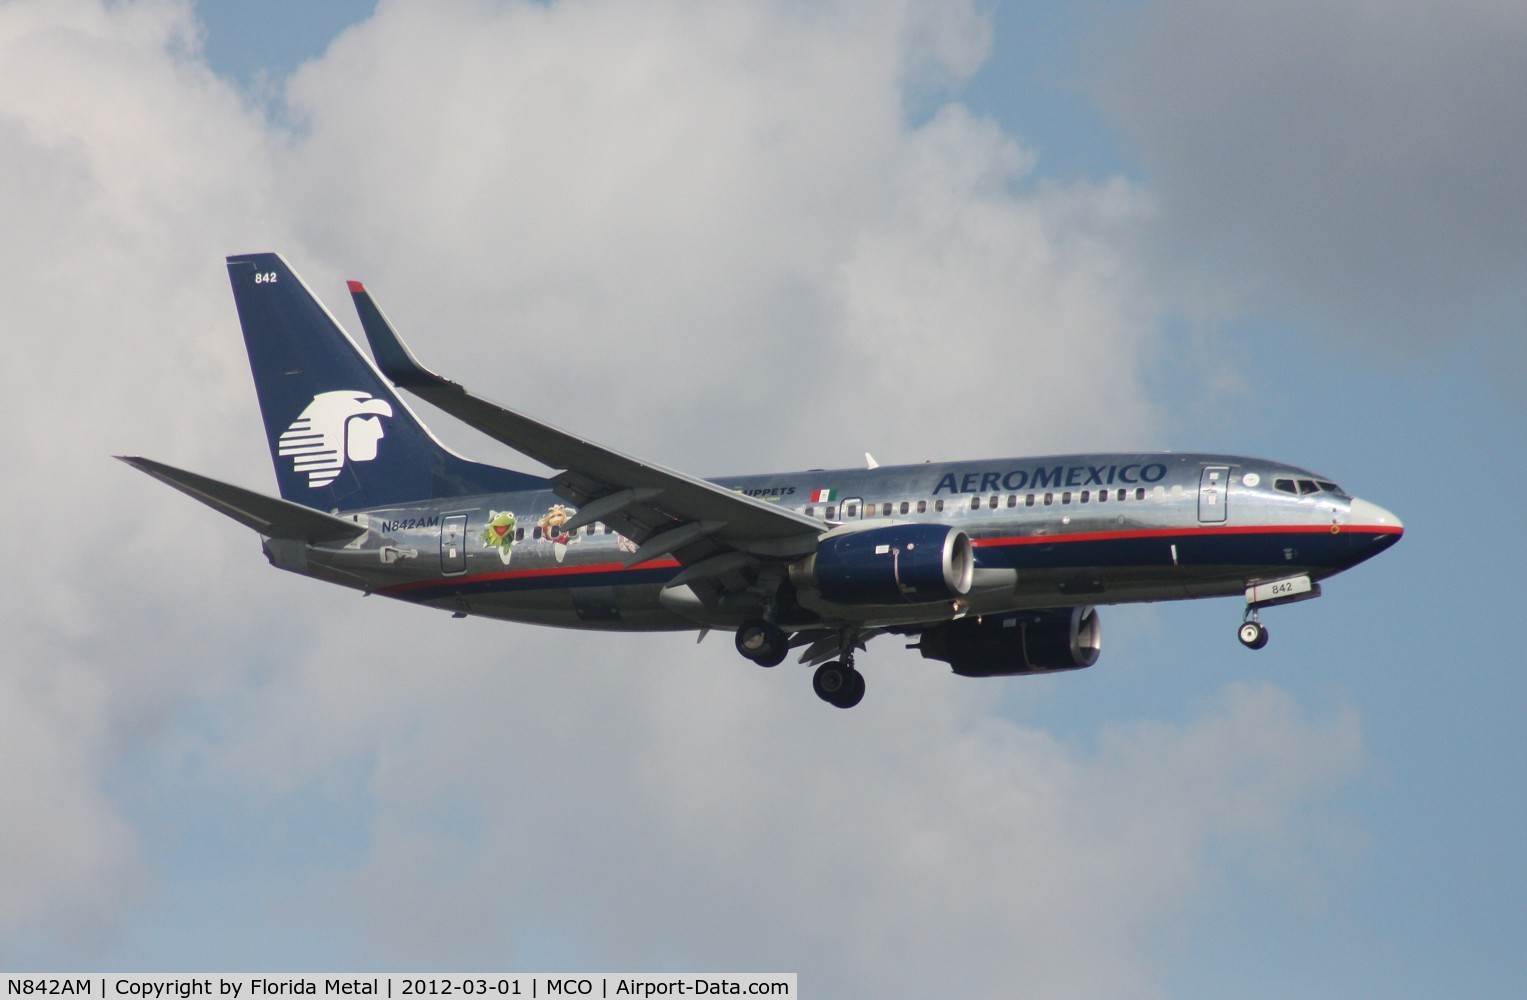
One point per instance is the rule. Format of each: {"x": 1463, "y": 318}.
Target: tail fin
{"x": 340, "y": 439}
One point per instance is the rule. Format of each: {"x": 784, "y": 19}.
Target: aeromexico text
{"x": 1050, "y": 477}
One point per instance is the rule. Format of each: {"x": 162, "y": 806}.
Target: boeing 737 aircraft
{"x": 994, "y": 567}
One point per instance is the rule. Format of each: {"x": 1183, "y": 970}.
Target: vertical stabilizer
{"x": 339, "y": 437}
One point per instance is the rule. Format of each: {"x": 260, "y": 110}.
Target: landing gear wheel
{"x": 776, "y": 658}
{"x": 838, "y": 684}
{"x": 855, "y": 692}
{"x": 762, "y": 642}
{"x": 1253, "y": 635}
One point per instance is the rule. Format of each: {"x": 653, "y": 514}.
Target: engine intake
{"x": 896, "y": 564}
{"x": 1019, "y": 642}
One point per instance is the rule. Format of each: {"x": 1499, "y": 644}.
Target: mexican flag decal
{"x": 824, "y": 496}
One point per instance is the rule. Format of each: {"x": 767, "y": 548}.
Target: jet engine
{"x": 896, "y": 564}
{"x": 1018, "y": 642}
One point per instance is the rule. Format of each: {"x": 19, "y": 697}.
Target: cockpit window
{"x": 1306, "y": 487}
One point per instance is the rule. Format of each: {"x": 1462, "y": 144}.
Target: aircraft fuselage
{"x": 1068, "y": 530}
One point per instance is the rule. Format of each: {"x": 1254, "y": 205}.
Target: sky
{"x": 735, "y": 237}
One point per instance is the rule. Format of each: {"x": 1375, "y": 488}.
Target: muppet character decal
{"x": 551, "y": 530}
{"x": 499, "y": 534}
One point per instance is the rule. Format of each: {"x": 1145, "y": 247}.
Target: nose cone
{"x": 1371, "y": 515}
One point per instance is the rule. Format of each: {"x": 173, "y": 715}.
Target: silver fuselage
{"x": 1053, "y": 531}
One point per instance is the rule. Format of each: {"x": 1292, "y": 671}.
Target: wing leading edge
{"x": 710, "y": 530}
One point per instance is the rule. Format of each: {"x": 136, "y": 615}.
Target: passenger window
{"x": 1123, "y": 495}
{"x": 1065, "y": 497}
{"x": 519, "y": 534}
{"x": 1102, "y": 496}
{"x": 832, "y": 513}
{"x": 537, "y": 533}
{"x": 1085, "y": 495}
{"x": 905, "y": 507}
{"x": 1012, "y": 501}
{"x": 938, "y": 506}
{"x": 589, "y": 530}
{"x": 922, "y": 506}
{"x": 975, "y": 503}
{"x": 1028, "y": 501}
{"x": 885, "y": 510}
{"x": 1140, "y": 493}
{"x": 1049, "y": 499}
{"x": 811, "y": 512}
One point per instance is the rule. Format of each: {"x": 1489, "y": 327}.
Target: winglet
{"x": 392, "y": 355}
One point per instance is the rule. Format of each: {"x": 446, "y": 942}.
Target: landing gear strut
{"x": 763, "y": 642}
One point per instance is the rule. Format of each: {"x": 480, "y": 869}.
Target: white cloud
{"x": 1348, "y": 161}
{"x": 918, "y": 846}
{"x": 776, "y": 246}
{"x": 125, "y": 167}
{"x": 707, "y": 233}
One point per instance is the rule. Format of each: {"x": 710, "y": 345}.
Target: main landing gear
{"x": 835, "y": 682}
{"x": 838, "y": 683}
{"x": 765, "y": 643}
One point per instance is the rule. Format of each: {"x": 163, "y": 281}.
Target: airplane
{"x": 995, "y": 567}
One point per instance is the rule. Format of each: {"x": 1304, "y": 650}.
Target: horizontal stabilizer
{"x": 269, "y": 516}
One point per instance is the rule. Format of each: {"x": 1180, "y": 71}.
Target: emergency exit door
{"x": 453, "y": 544}
{"x": 1212, "y": 490}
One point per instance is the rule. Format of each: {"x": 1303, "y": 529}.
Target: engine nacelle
{"x": 896, "y": 564}
{"x": 1018, "y": 642}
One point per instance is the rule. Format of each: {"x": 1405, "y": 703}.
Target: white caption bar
{"x": 396, "y": 986}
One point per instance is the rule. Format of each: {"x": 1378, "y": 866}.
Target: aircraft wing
{"x": 270, "y": 516}
{"x": 709, "y": 529}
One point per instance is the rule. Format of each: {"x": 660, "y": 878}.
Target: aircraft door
{"x": 453, "y": 544}
{"x": 1212, "y": 494}
{"x": 852, "y": 508}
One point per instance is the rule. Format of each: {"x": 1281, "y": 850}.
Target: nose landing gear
{"x": 1253, "y": 634}
{"x": 1272, "y": 593}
